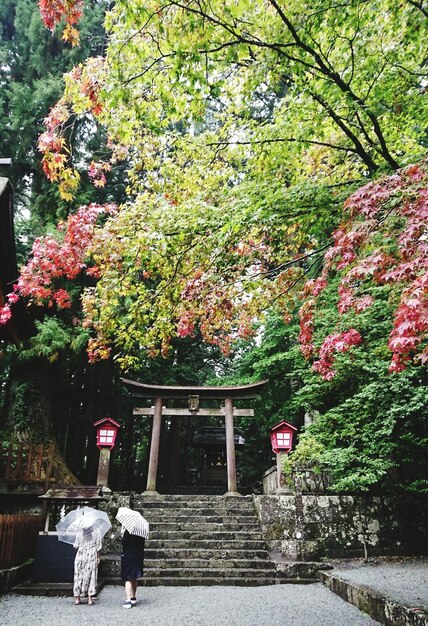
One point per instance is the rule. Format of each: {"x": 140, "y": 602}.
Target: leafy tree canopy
{"x": 309, "y": 90}
{"x": 246, "y": 125}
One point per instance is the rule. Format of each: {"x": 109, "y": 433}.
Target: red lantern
{"x": 106, "y": 432}
{"x": 281, "y": 437}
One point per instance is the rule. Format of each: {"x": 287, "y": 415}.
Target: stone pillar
{"x": 280, "y": 487}
{"x": 300, "y": 518}
{"x": 232, "y": 488}
{"x": 154, "y": 447}
{"x": 103, "y": 467}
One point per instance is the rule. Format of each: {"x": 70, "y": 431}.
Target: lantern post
{"x": 281, "y": 437}
{"x": 106, "y": 437}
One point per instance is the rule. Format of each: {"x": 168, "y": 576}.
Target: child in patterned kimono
{"x": 88, "y": 543}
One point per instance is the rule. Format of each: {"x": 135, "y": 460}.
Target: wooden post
{"x": 278, "y": 470}
{"x": 232, "y": 488}
{"x": 154, "y": 447}
{"x": 48, "y": 513}
{"x": 103, "y": 467}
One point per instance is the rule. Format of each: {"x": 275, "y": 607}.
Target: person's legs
{"x": 129, "y": 589}
{"x": 128, "y": 594}
{"x": 76, "y": 582}
{"x": 134, "y": 592}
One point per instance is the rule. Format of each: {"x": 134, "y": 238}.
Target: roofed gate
{"x": 194, "y": 396}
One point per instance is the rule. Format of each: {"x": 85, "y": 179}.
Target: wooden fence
{"x": 18, "y": 534}
{"x": 25, "y": 462}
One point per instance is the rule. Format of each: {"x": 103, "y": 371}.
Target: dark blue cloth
{"x": 132, "y": 557}
{"x": 53, "y": 561}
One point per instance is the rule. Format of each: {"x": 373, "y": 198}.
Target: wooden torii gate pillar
{"x": 154, "y": 446}
{"x": 193, "y": 395}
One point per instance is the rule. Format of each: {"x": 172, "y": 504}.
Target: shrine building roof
{"x": 74, "y": 492}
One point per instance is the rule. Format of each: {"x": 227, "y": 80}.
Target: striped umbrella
{"x": 133, "y": 522}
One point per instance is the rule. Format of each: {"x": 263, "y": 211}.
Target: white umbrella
{"x": 133, "y": 522}
{"x": 82, "y": 518}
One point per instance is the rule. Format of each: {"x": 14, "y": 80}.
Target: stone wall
{"x": 12, "y": 576}
{"x": 112, "y": 542}
{"x": 311, "y": 527}
{"x": 311, "y": 482}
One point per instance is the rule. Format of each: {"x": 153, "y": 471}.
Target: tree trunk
{"x": 27, "y": 413}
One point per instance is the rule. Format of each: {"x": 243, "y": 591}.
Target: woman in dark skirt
{"x": 131, "y": 565}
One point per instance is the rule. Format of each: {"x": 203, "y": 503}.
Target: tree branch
{"x": 420, "y": 6}
{"x": 298, "y": 279}
{"x": 337, "y": 79}
{"x": 279, "y": 140}
{"x": 362, "y": 153}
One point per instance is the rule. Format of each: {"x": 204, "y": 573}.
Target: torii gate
{"x": 194, "y": 394}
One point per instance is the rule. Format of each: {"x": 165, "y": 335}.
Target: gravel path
{"x": 287, "y": 605}
{"x": 404, "y": 580}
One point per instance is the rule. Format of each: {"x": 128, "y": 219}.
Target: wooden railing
{"x": 18, "y": 534}
{"x": 25, "y": 462}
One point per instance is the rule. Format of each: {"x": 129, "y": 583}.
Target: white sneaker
{"x": 133, "y": 601}
{"x": 127, "y": 604}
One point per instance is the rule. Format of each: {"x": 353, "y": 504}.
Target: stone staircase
{"x": 200, "y": 540}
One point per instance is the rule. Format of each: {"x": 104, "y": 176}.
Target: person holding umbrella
{"x": 84, "y": 528}
{"x": 88, "y": 543}
{"x": 135, "y": 530}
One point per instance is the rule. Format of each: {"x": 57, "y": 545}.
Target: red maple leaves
{"x": 54, "y": 11}
{"x": 82, "y": 96}
{"x": 337, "y": 342}
{"x": 55, "y": 258}
{"x": 385, "y": 241}
{"x": 96, "y": 173}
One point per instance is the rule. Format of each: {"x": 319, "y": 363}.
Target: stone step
{"x": 233, "y": 581}
{"x": 55, "y": 589}
{"x": 213, "y": 518}
{"x": 66, "y": 589}
{"x": 161, "y": 512}
{"x": 217, "y": 517}
{"x": 179, "y": 569}
{"x": 220, "y": 504}
{"x": 245, "y": 505}
{"x": 111, "y": 565}
{"x": 209, "y": 544}
{"x": 190, "y": 498}
{"x": 199, "y": 568}
{"x": 198, "y": 553}
{"x": 204, "y": 527}
{"x": 196, "y": 510}
{"x": 217, "y": 490}
{"x": 213, "y": 563}
{"x": 196, "y": 535}
{"x": 214, "y": 572}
